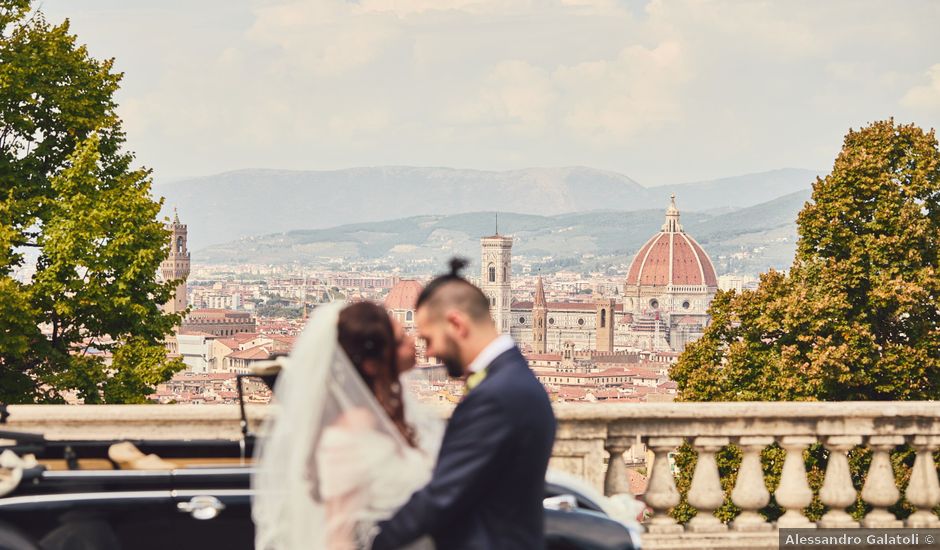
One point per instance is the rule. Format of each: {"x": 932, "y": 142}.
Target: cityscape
{"x": 589, "y": 338}
{"x": 572, "y": 274}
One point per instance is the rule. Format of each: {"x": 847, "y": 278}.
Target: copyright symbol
{"x": 928, "y": 539}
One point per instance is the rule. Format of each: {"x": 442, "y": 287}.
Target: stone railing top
{"x": 750, "y": 409}
{"x": 759, "y": 418}
{"x": 617, "y": 420}
{"x": 133, "y": 421}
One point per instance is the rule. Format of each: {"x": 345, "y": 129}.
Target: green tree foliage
{"x": 71, "y": 204}
{"x": 857, "y": 317}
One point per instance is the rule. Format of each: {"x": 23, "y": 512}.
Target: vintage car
{"x": 73, "y": 496}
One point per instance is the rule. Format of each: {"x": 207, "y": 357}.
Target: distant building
{"x": 401, "y": 301}
{"x": 669, "y": 286}
{"x": 196, "y": 350}
{"x": 671, "y": 280}
{"x": 496, "y": 275}
{"x": 736, "y": 282}
{"x": 176, "y": 266}
{"x": 219, "y": 322}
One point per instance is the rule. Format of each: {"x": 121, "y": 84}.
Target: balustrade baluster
{"x": 750, "y": 493}
{"x": 661, "y": 493}
{"x": 837, "y": 491}
{"x": 794, "y": 493}
{"x": 880, "y": 489}
{"x": 705, "y": 492}
{"x": 616, "y": 481}
{"x": 923, "y": 491}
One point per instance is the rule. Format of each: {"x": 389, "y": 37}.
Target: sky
{"x": 661, "y": 91}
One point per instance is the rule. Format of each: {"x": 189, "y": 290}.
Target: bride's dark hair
{"x": 366, "y": 333}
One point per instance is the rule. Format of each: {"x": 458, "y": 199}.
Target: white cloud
{"x": 925, "y": 97}
{"x": 514, "y": 96}
{"x": 727, "y": 86}
{"x": 612, "y": 101}
{"x": 326, "y": 37}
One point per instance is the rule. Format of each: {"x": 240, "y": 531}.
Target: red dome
{"x": 404, "y": 295}
{"x": 671, "y": 257}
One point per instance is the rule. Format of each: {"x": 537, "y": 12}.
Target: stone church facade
{"x": 669, "y": 286}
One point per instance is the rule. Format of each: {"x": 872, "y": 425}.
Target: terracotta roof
{"x": 242, "y": 337}
{"x": 255, "y": 353}
{"x": 403, "y": 295}
{"x": 671, "y": 257}
{"x": 230, "y": 343}
{"x": 572, "y": 393}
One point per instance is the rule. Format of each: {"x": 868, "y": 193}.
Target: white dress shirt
{"x": 501, "y": 344}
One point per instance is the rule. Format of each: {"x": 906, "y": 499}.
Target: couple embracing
{"x": 352, "y": 461}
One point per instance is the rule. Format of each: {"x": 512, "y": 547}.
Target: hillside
{"x": 246, "y": 203}
{"x": 605, "y": 237}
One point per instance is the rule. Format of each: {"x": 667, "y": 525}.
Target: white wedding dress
{"x": 378, "y": 477}
{"x": 330, "y": 463}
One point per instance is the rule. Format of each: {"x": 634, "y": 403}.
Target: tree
{"x": 72, "y": 207}
{"x": 857, "y": 317}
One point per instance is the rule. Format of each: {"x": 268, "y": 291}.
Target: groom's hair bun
{"x": 451, "y": 290}
{"x": 456, "y": 266}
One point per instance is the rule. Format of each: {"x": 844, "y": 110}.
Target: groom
{"x": 487, "y": 487}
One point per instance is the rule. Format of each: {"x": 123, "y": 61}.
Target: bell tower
{"x": 539, "y": 319}
{"x": 605, "y": 309}
{"x": 176, "y": 265}
{"x": 496, "y": 262}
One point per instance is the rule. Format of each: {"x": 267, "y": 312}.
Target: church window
{"x": 603, "y": 318}
{"x": 551, "y": 320}
{"x": 521, "y": 320}
{"x": 581, "y": 322}
{"x": 180, "y": 245}
{"x": 685, "y": 304}
{"x": 654, "y": 303}
{"x": 505, "y": 278}
{"x": 492, "y": 273}
{"x": 492, "y": 301}
{"x": 409, "y": 316}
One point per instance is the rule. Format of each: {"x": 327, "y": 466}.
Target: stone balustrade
{"x": 590, "y": 433}
{"x": 708, "y": 427}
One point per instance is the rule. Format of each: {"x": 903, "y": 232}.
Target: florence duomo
{"x": 663, "y": 306}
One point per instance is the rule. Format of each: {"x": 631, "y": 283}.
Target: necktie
{"x": 474, "y": 379}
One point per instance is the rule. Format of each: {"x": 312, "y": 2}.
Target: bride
{"x": 346, "y": 445}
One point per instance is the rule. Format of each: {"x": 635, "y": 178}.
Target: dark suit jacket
{"x": 487, "y": 488}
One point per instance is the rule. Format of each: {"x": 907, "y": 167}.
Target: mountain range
{"x": 247, "y": 203}
{"x": 749, "y": 239}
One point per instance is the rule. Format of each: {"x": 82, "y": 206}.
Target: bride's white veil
{"x": 316, "y": 386}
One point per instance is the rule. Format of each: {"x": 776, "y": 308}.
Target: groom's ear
{"x": 457, "y": 322}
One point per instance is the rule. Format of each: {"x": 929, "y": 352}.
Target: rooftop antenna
{"x": 497, "y": 223}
